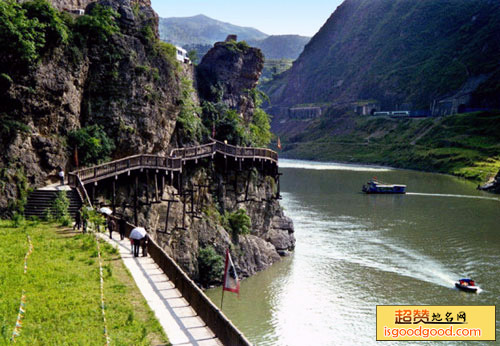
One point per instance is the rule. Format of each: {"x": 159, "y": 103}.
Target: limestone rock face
{"x": 231, "y": 69}
{"x": 120, "y": 83}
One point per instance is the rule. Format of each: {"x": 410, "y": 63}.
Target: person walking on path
{"x": 78, "y": 220}
{"x": 111, "y": 226}
{"x": 85, "y": 219}
{"x": 61, "y": 175}
{"x": 135, "y": 246}
{"x": 144, "y": 245}
{"x": 122, "y": 227}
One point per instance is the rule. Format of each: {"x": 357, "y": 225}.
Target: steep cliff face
{"x": 401, "y": 53}
{"x": 228, "y": 72}
{"x": 121, "y": 82}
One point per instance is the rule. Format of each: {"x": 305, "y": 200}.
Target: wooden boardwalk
{"x": 172, "y": 163}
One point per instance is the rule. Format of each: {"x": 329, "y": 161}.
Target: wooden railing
{"x": 220, "y": 325}
{"x": 171, "y": 163}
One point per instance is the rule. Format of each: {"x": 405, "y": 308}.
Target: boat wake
{"x": 452, "y": 195}
{"x": 330, "y": 166}
{"x": 349, "y": 242}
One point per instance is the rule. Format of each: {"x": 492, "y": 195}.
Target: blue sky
{"x": 304, "y": 17}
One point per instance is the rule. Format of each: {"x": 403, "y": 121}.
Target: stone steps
{"x": 41, "y": 200}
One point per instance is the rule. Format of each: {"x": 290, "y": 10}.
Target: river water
{"x": 356, "y": 251}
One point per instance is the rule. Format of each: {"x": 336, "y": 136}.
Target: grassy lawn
{"x": 63, "y": 291}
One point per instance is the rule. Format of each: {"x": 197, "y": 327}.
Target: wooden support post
{"x": 93, "y": 195}
{"x": 114, "y": 196}
{"x": 236, "y": 183}
{"x": 278, "y": 194}
{"x": 240, "y": 163}
{"x": 170, "y": 201}
{"x": 248, "y": 184}
{"x": 184, "y": 211}
{"x": 156, "y": 187}
{"x": 136, "y": 199}
{"x": 192, "y": 203}
{"x": 147, "y": 186}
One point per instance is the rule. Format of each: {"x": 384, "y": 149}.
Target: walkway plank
{"x": 179, "y": 321}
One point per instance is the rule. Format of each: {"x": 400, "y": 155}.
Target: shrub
{"x": 93, "y": 144}
{"x": 99, "y": 24}
{"x": 50, "y": 21}
{"x": 188, "y": 122}
{"x": 9, "y": 128}
{"x": 60, "y": 208}
{"x": 238, "y": 223}
{"x": 167, "y": 51}
{"x": 27, "y": 29}
{"x": 210, "y": 266}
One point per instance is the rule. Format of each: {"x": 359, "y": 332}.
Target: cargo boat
{"x": 374, "y": 186}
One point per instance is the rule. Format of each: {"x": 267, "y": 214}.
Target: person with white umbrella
{"x": 110, "y": 222}
{"x": 137, "y": 235}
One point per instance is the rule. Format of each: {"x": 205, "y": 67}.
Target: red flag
{"x": 279, "y": 144}
{"x": 231, "y": 282}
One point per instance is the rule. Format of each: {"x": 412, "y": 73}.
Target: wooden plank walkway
{"x": 174, "y": 162}
{"x": 180, "y": 322}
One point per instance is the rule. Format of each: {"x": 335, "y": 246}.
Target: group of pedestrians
{"x": 113, "y": 225}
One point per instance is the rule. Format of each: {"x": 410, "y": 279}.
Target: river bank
{"x": 464, "y": 145}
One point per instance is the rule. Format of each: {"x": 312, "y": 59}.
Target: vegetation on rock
{"x": 93, "y": 144}
{"x": 210, "y": 266}
{"x": 27, "y": 30}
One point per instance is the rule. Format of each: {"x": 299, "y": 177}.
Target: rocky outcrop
{"x": 121, "y": 83}
{"x": 228, "y": 72}
{"x": 491, "y": 186}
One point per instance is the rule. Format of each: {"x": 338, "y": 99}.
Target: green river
{"x": 357, "y": 251}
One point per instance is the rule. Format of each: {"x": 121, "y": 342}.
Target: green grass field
{"x": 63, "y": 291}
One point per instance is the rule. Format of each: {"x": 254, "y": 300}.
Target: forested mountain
{"x": 401, "y": 53}
{"x": 281, "y": 46}
{"x": 201, "y": 29}
{"x": 200, "y": 32}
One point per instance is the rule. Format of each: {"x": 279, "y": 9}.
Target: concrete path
{"x": 179, "y": 321}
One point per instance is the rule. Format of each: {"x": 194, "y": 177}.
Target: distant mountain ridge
{"x": 201, "y": 32}
{"x": 281, "y": 46}
{"x": 201, "y": 29}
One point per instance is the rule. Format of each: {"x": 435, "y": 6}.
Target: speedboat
{"x": 467, "y": 285}
{"x": 374, "y": 186}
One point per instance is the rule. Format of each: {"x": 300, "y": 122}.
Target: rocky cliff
{"x": 108, "y": 68}
{"x": 404, "y": 54}
{"x": 117, "y": 81}
{"x": 229, "y": 71}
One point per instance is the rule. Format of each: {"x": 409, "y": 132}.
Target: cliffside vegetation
{"x": 466, "y": 145}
